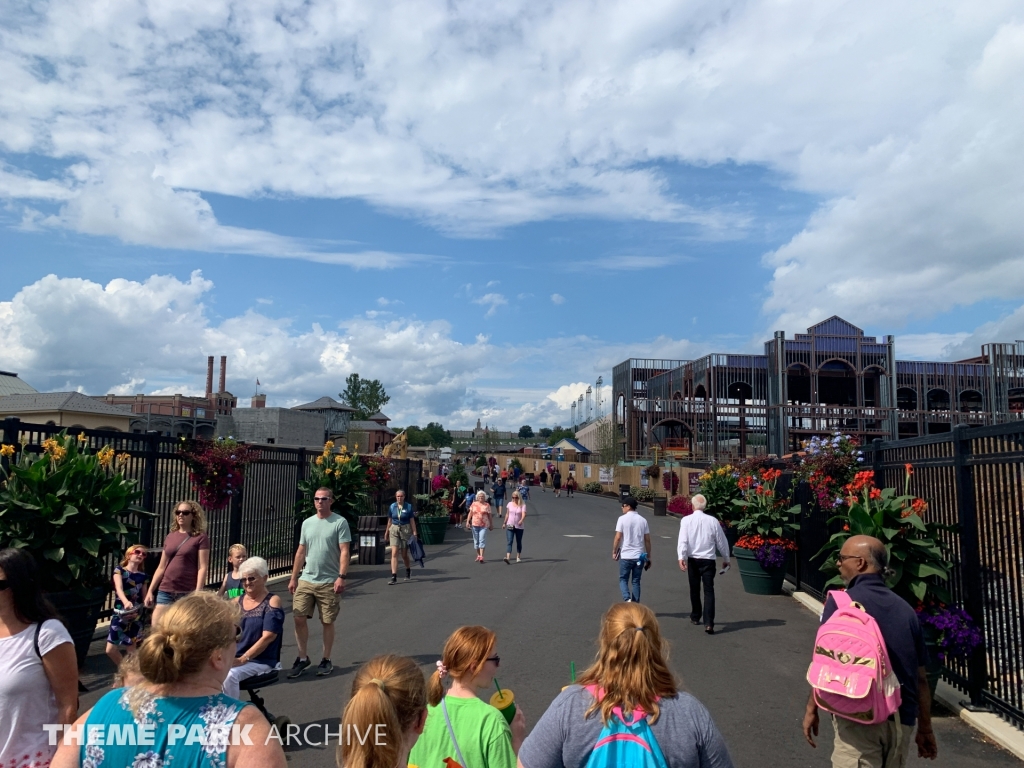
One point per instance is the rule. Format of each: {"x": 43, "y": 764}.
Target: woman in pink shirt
{"x": 514, "y": 526}
{"x": 480, "y": 522}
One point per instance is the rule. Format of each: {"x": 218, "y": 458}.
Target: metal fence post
{"x": 149, "y": 486}
{"x": 11, "y": 434}
{"x": 235, "y": 518}
{"x": 876, "y": 462}
{"x": 300, "y": 475}
{"x": 970, "y": 556}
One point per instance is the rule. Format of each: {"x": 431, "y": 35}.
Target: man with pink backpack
{"x": 867, "y": 670}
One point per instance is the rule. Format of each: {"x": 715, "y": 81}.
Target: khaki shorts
{"x": 308, "y": 594}
{"x": 870, "y": 746}
{"x": 400, "y": 535}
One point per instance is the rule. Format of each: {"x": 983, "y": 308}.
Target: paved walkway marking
{"x": 577, "y": 535}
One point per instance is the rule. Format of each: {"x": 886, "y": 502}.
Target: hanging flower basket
{"x": 217, "y": 468}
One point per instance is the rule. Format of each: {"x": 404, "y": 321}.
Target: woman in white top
{"x": 38, "y": 667}
{"x": 514, "y": 526}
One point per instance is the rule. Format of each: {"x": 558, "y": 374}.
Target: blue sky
{"x": 487, "y": 207}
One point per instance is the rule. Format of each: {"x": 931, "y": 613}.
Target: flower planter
{"x": 756, "y": 579}
{"x": 432, "y": 529}
{"x": 80, "y": 616}
{"x": 732, "y": 535}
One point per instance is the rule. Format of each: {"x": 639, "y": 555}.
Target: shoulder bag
{"x": 451, "y": 732}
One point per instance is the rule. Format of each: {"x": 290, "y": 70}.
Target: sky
{"x": 487, "y": 205}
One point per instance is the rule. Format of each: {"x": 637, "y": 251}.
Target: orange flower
{"x": 919, "y": 506}
{"x": 875, "y": 493}
{"x": 909, "y": 468}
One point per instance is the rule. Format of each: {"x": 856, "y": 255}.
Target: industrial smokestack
{"x": 223, "y": 373}
{"x": 209, "y": 377}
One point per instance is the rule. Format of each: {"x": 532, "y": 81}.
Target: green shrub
{"x": 592, "y": 487}
{"x": 641, "y": 494}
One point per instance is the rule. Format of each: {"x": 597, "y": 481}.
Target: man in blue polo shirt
{"x": 401, "y": 527}
{"x": 862, "y": 562}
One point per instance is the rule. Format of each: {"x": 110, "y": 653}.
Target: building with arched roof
{"x": 832, "y": 378}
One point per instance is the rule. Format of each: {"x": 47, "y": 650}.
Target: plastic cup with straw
{"x": 504, "y": 701}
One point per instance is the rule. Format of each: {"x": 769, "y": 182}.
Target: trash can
{"x": 660, "y": 506}
{"x": 478, "y": 485}
{"x": 624, "y": 491}
{"x": 371, "y": 539}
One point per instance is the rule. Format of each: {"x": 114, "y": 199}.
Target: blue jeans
{"x": 479, "y": 536}
{"x": 517, "y": 534}
{"x": 626, "y": 569}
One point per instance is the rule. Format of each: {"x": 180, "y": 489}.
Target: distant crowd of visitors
{"x": 626, "y": 709}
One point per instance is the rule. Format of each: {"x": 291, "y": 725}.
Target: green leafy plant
{"x": 70, "y": 508}
{"x": 592, "y": 487}
{"x": 216, "y": 468}
{"x": 458, "y": 476}
{"x": 641, "y": 494}
{"x": 434, "y": 505}
{"x": 918, "y": 561}
{"x": 720, "y": 486}
{"x": 763, "y": 511}
{"x": 344, "y": 474}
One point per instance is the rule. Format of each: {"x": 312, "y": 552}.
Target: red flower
{"x": 909, "y": 469}
{"x": 875, "y": 493}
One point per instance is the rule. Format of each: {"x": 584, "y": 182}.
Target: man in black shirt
{"x": 862, "y": 562}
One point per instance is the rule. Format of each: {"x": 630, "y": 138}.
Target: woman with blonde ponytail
{"x": 482, "y": 737}
{"x": 389, "y": 700}
{"x": 184, "y": 661}
{"x": 629, "y": 675}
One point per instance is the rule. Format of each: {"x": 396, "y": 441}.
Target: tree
{"x": 545, "y": 432}
{"x": 606, "y": 443}
{"x": 431, "y": 435}
{"x": 367, "y": 396}
{"x": 558, "y": 433}
{"x": 526, "y": 431}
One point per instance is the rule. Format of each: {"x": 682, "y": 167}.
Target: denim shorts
{"x": 169, "y": 598}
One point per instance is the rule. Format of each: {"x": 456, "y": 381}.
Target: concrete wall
{"x": 71, "y": 419}
{"x": 284, "y": 426}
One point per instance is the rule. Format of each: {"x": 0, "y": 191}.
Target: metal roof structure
{"x": 10, "y": 384}
{"x": 73, "y": 402}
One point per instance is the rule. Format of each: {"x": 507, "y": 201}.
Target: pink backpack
{"x": 850, "y": 672}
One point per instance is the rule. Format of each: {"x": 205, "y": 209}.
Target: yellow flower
{"x": 355, "y": 447}
{"x": 50, "y": 445}
{"x": 327, "y": 471}
{"x": 339, "y": 459}
{"x": 319, "y": 461}
{"x": 105, "y": 456}
{"x": 328, "y": 446}
{"x": 82, "y": 438}
{"x": 122, "y": 459}
{"x": 6, "y": 451}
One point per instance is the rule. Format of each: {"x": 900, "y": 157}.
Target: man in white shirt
{"x": 632, "y": 548}
{"x": 701, "y": 538}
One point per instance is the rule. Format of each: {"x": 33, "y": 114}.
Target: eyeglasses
{"x": 840, "y": 558}
{"x": 322, "y": 498}
{"x": 248, "y": 579}
{"x": 183, "y": 512}
{"x": 496, "y": 659}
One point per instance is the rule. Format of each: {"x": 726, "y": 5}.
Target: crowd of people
{"x": 189, "y": 667}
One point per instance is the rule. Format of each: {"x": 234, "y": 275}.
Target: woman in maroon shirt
{"x": 185, "y": 559}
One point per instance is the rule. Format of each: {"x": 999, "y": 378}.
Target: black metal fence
{"x": 972, "y": 477}
{"x": 262, "y": 516}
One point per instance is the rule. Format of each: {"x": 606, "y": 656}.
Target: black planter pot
{"x": 80, "y": 615}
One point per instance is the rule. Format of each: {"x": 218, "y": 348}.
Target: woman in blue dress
{"x": 129, "y": 594}
{"x": 184, "y": 660}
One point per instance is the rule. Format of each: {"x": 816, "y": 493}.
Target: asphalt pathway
{"x": 546, "y": 612}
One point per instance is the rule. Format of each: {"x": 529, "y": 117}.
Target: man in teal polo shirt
{"x": 401, "y": 528}
{"x": 318, "y": 578}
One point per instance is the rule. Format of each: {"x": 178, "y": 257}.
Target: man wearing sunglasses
{"x": 318, "y": 578}
{"x": 862, "y": 563}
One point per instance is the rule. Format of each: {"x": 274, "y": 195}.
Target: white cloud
{"x": 557, "y": 298}
{"x": 491, "y": 300}
{"x": 264, "y": 301}
{"x": 492, "y": 283}
{"x": 929, "y": 346}
{"x": 384, "y": 302}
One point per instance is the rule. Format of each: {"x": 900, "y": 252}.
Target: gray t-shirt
{"x": 322, "y": 539}
{"x": 564, "y": 738}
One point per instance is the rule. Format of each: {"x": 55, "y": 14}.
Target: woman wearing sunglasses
{"x": 460, "y": 727}
{"x": 184, "y": 562}
{"x": 259, "y": 647}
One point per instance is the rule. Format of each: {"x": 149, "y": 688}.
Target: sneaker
{"x": 298, "y": 667}
{"x": 394, "y": 580}
{"x": 408, "y": 575}
{"x": 518, "y": 559}
{"x": 325, "y": 668}
{"x": 628, "y": 600}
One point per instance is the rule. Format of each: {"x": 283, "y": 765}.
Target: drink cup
{"x": 505, "y": 702}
